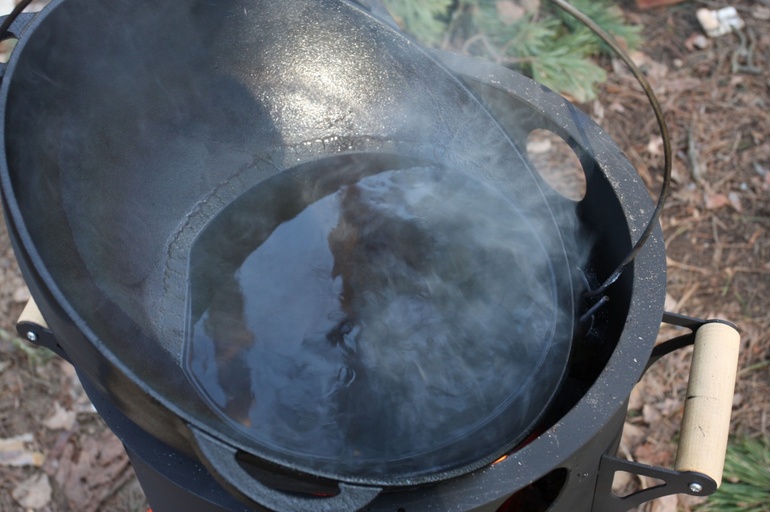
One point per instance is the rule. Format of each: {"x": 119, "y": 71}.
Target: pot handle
{"x": 706, "y": 421}
{"x": 220, "y": 459}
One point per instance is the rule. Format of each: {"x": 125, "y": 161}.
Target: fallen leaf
{"x": 636, "y": 400}
{"x": 671, "y": 304}
{"x": 21, "y": 295}
{"x": 697, "y": 41}
{"x": 688, "y": 503}
{"x": 665, "y": 504}
{"x": 621, "y": 482}
{"x": 598, "y": 110}
{"x": 654, "y": 70}
{"x": 539, "y": 146}
{"x": 61, "y": 419}
{"x": 715, "y": 201}
{"x": 90, "y": 473}
{"x": 632, "y": 437}
{"x": 33, "y": 493}
{"x": 735, "y": 201}
{"x": 652, "y": 454}
{"x": 14, "y": 453}
{"x": 655, "y": 146}
{"x": 761, "y": 12}
{"x": 669, "y": 407}
{"x": 650, "y": 414}
{"x": 509, "y": 11}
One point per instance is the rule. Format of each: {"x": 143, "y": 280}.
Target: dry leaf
{"x": 509, "y": 11}
{"x": 632, "y": 437}
{"x": 715, "y": 201}
{"x": 697, "y": 41}
{"x": 61, "y": 419}
{"x": 636, "y": 400}
{"x": 91, "y": 473}
{"x": 539, "y": 146}
{"x": 735, "y": 201}
{"x": 33, "y": 493}
{"x": 665, "y": 504}
{"x": 650, "y": 414}
{"x": 21, "y": 295}
{"x": 654, "y": 70}
{"x": 761, "y": 12}
{"x": 655, "y": 146}
{"x": 652, "y": 454}
{"x": 671, "y": 304}
{"x": 669, "y": 407}
{"x": 621, "y": 482}
{"x": 14, "y": 453}
{"x": 688, "y": 503}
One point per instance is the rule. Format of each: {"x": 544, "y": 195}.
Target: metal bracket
{"x": 32, "y": 327}
{"x": 682, "y": 341}
{"x": 674, "y": 482}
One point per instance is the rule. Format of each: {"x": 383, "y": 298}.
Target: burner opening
{"x": 538, "y": 496}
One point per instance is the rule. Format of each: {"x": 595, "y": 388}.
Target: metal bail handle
{"x": 706, "y": 422}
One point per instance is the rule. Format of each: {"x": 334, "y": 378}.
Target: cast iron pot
{"x": 120, "y": 156}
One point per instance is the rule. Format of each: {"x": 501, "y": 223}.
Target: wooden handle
{"x": 31, "y": 314}
{"x": 706, "y": 422}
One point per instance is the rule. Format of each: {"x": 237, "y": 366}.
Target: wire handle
{"x": 667, "y": 153}
{"x": 8, "y": 21}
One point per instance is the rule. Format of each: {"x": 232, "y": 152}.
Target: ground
{"x": 56, "y": 454}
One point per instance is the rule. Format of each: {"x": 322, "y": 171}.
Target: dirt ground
{"x": 56, "y": 454}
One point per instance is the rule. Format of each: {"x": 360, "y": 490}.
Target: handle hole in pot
{"x": 281, "y": 479}
{"x": 557, "y": 163}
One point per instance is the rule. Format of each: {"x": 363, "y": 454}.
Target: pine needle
{"x": 746, "y": 483}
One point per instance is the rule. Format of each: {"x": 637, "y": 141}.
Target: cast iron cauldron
{"x": 123, "y": 157}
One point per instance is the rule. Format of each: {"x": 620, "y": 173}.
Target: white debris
{"x": 720, "y": 22}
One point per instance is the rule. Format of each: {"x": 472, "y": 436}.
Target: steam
{"x": 391, "y": 316}
{"x": 394, "y": 318}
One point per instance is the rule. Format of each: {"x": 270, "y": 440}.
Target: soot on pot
{"x": 385, "y": 320}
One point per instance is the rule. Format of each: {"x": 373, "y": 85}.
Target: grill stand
{"x": 172, "y": 481}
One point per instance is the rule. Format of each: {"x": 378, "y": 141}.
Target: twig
{"x": 684, "y": 266}
{"x": 692, "y": 151}
{"x": 687, "y": 295}
{"x": 746, "y": 52}
{"x": 754, "y": 367}
{"x": 747, "y": 270}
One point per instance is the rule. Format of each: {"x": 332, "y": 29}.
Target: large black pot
{"x": 132, "y": 132}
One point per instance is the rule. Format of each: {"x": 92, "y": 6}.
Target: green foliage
{"x": 424, "y": 19}
{"x": 36, "y": 356}
{"x": 746, "y": 484}
{"x": 530, "y": 36}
